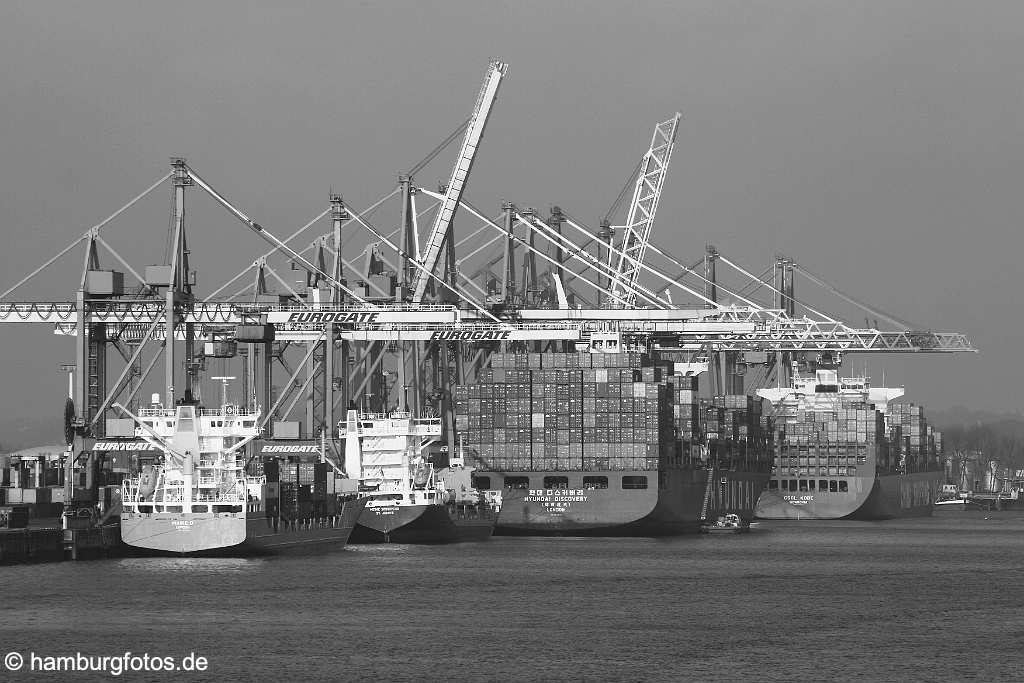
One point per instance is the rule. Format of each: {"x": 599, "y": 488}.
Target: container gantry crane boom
{"x": 453, "y": 193}
{"x": 640, "y": 221}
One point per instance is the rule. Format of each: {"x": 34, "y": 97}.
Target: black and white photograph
{"x": 511, "y": 340}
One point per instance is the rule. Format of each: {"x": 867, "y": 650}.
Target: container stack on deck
{"x": 582, "y": 411}
{"x": 565, "y": 411}
{"x": 831, "y": 443}
{"x": 298, "y": 490}
{"x": 919, "y": 446}
{"x": 735, "y": 430}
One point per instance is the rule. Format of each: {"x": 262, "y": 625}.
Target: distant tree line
{"x": 1001, "y": 441}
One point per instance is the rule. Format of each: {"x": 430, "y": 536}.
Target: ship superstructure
{"x": 841, "y": 451}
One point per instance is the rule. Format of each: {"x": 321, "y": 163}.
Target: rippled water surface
{"x": 924, "y": 599}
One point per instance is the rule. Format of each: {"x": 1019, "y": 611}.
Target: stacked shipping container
{"x": 581, "y": 411}
{"x": 833, "y": 442}
{"x": 736, "y": 431}
{"x": 298, "y": 490}
{"x": 918, "y": 445}
{"x": 565, "y": 411}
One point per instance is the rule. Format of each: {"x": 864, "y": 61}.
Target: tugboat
{"x": 726, "y": 524}
{"x": 473, "y": 510}
{"x": 406, "y": 501}
{"x": 199, "y": 501}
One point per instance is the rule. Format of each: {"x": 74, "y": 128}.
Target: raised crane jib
{"x": 649, "y": 182}
{"x": 453, "y": 194}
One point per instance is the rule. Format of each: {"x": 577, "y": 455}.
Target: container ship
{"x": 407, "y": 502}
{"x": 844, "y": 450}
{"x": 607, "y": 444}
{"x": 197, "y": 499}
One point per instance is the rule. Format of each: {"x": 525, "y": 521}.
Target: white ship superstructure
{"x": 197, "y": 499}
{"x": 826, "y": 391}
{"x": 386, "y": 452}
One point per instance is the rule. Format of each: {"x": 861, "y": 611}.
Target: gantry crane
{"x": 343, "y": 334}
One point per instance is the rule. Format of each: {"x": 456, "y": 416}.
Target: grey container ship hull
{"x": 886, "y": 496}
{"x": 672, "y": 503}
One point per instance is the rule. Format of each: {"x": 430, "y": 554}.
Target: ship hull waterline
{"x": 418, "y": 524}
{"x": 236, "y": 534}
{"x": 886, "y": 496}
{"x": 671, "y": 505}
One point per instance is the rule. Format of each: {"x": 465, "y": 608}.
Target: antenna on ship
{"x": 223, "y": 389}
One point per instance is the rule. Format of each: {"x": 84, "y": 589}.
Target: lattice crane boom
{"x": 463, "y": 164}
{"x": 640, "y": 221}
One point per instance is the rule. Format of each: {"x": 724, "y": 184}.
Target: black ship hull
{"x": 420, "y": 524}
{"x": 263, "y": 536}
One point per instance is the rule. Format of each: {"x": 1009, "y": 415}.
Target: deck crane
{"x": 453, "y": 193}
{"x": 640, "y": 221}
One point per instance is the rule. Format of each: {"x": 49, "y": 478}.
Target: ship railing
{"x": 157, "y": 412}
{"x": 432, "y": 429}
{"x": 130, "y": 491}
{"x": 217, "y": 497}
{"x": 207, "y": 412}
{"x": 327, "y": 306}
{"x": 397, "y": 415}
{"x": 169, "y": 497}
{"x": 236, "y": 412}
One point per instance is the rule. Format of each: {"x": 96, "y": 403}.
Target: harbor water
{"x": 919, "y": 599}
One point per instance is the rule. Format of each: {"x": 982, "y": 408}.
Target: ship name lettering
{"x": 798, "y": 500}
{"x": 556, "y": 498}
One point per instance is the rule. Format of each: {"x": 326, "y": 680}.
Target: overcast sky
{"x": 878, "y": 143}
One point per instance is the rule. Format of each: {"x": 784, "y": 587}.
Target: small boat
{"x": 726, "y": 524}
{"x": 950, "y": 505}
